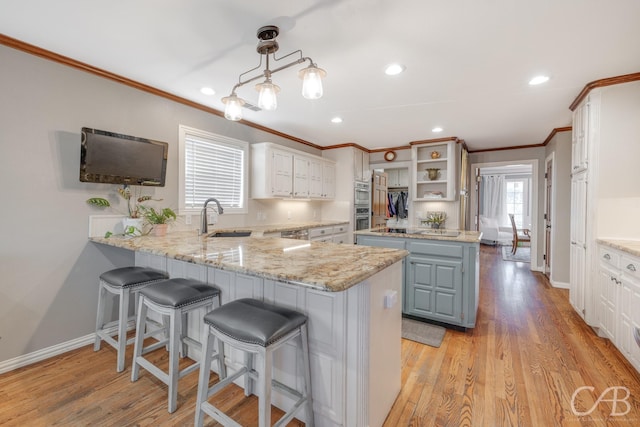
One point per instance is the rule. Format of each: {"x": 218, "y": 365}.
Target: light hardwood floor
{"x": 519, "y": 367}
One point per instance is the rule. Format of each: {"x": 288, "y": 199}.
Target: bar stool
{"x": 257, "y": 328}
{"x": 121, "y": 282}
{"x": 172, "y": 298}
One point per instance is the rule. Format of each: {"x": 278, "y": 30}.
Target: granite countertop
{"x": 325, "y": 266}
{"x": 463, "y": 236}
{"x": 632, "y": 247}
{"x": 259, "y": 230}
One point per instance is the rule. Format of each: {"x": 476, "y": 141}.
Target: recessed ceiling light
{"x": 436, "y": 129}
{"x": 538, "y": 80}
{"x": 336, "y": 120}
{"x": 208, "y": 91}
{"x": 394, "y": 69}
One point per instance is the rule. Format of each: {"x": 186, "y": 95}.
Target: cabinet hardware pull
{"x": 631, "y": 267}
{"x": 636, "y": 336}
{"x": 607, "y": 257}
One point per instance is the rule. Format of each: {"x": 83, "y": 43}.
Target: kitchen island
{"x": 350, "y": 293}
{"x": 441, "y": 273}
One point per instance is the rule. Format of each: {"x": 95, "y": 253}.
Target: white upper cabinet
{"x": 579, "y": 138}
{"x": 278, "y": 171}
{"x": 397, "y": 177}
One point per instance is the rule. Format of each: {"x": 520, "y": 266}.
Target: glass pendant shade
{"x": 267, "y": 100}
{"x": 233, "y": 107}
{"x": 312, "y": 81}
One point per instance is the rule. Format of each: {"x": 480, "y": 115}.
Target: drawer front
{"x": 630, "y": 265}
{"x": 320, "y": 232}
{"x": 438, "y": 249}
{"x": 609, "y": 257}
{"x": 337, "y": 229}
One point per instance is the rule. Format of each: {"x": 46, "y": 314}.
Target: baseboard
{"x": 55, "y": 350}
{"x": 559, "y": 285}
{"x": 45, "y": 353}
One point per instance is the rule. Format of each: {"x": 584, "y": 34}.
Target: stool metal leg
{"x": 175, "y": 342}
{"x": 122, "y": 327}
{"x": 102, "y": 296}
{"x": 205, "y": 368}
{"x": 264, "y": 381}
{"x": 306, "y": 366}
{"x": 139, "y": 340}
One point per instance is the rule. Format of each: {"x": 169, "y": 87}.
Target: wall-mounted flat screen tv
{"x": 114, "y": 158}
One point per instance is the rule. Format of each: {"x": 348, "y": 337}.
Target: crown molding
{"x": 626, "y": 78}
{"x": 65, "y": 60}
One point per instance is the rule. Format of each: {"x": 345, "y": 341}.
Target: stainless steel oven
{"x": 362, "y": 204}
{"x": 362, "y": 194}
{"x": 362, "y": 218}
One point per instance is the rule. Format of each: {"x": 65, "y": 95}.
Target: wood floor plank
{"x": 519, "y": 367}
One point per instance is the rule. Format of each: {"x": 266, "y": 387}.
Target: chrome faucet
{"x": 203, "y": 215}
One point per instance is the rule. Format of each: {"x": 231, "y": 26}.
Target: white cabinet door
{"x": 328, "y": 180}
{"x": 316, "y": 170}
{"x": 579, "y": 138}
{"x": 577, "y": 256}
{"x": 300, "y": 176}
{"x": 281, "y": 173}
{"x": 609, "y": 284}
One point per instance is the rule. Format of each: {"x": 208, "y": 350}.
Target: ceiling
{"x": 468, "y": 62}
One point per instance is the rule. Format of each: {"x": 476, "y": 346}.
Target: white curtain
{"x": 493, "y": 198}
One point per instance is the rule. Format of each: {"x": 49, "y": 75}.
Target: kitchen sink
{"x": 230, "y": 234}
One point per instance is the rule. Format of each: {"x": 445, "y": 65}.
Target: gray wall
{"x": 560, "y": 146}
{"x": 48, "y": 268}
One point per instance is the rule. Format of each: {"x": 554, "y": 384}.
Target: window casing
{"x": 517, "y": 199}
{"x": 212, "y": 166}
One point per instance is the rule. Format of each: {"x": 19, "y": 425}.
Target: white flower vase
{"x": 128, "y": 223}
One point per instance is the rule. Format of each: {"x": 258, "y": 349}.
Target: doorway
{"x": 526, "y": 220}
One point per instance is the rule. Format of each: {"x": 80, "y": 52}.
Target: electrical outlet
{"x": 288, "y": 214}
{"x": 187, "y": 219}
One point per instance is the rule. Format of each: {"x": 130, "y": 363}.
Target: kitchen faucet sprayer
{"x": 203, "y": 214}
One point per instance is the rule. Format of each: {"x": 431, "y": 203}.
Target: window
{"x": 517, "y": 196}
{"x": 212, "y": 166}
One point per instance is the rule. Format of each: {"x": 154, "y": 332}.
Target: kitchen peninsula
{"x": 441, "y": 273}
{"x": 350, "y": 293}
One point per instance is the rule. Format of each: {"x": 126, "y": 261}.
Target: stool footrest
{"x": 218, "y": 415}
{"x": 226, "y": 381}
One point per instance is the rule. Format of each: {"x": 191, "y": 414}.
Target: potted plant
{"x": 436, "y": 219}
{"x": 132, "y": 224}
{"x": 159, "y": 219}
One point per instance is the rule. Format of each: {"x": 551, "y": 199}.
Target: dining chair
{"x": 522, "y": 235}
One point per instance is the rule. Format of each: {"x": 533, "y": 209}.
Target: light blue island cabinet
{"x": 440, "y": 275}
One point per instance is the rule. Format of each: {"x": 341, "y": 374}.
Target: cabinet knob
{"x": 607, "y": 257}
{"x": 631, "y": 267}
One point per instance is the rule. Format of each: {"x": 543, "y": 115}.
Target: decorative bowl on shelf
{"x": 433, "y": 173}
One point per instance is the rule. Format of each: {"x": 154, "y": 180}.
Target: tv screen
{"x": 113, "y": 158}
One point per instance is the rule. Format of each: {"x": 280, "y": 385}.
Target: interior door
{"x": 379, "y": 199}
{"x": 547, "y": 218}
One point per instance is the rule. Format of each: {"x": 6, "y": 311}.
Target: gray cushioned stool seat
{"x": 255, "y": 322}
{"x": 127, "y": 277}
{"x": 179, "y": 292}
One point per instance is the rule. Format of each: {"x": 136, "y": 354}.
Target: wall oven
{"x": 362, "y": 194}
{"x": 362, "y": 206}
{"x": 362, "y": 218}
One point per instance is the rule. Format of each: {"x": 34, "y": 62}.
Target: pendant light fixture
{"x": 267, "y": 45}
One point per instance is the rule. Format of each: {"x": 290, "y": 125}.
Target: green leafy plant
{"x": 164, "y": 216}
{"x": 436, "y": 219}
{"x": 133, "y": 201}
